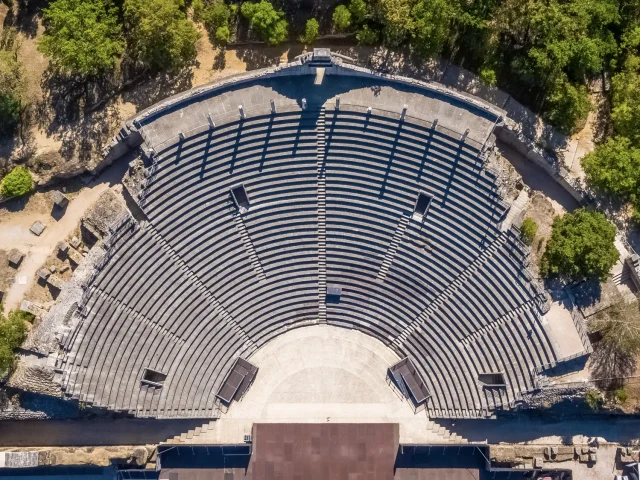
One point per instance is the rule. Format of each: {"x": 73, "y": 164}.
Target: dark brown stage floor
{"x": 329, "y": 451}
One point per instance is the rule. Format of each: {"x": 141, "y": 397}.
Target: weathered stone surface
{"x": 593, "y": 457}
{"x": 32, "y": 308}
{"x": 18, "y": 459}
{"x": 56, "y": 282}
{"x": 75, "y": 242}
{"x": 62, "y": 247}
{"x": 43, "y": 274}
{"x": 75, "y": 257}
{"x": 15, "y": 258}
{"x": 60, "y": 200}
{"x": 103, "y": 213}
{"x": 37, "y": 228}
{"x": 538, "y": 462}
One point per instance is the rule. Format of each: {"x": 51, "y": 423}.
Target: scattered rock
{"x": 15, "y": 258}
{"x": 43, "y": 274}
{"x": 75, "y": 242}
{"x": 64, "y": 268}
{"x": 37, "y": 228}
{"x": 63, "y": 248}
{"x": 75, "y": 257}
{"x": 53, "y": 269}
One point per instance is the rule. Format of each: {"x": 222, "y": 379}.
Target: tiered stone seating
{"x": 201, "y": 282}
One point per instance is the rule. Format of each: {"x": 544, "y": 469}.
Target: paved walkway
{"x": 16, "y": 234}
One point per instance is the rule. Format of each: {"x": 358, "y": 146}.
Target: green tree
{"x": 198, "y": 10}
{"x": 567, "y": 106}
{"x": 82, "y": 37}
{"x": 626, "y": 100}
{"x": 367, "y": 36}
{"x": 17, "y": 182}
{"x": 593, "y": 398}
{"x": 310, "y": 32}
{"x": 13, "y": 331}
{"x": 160, "y": 35}
{"x": 396, "y": 16}
{"x": 430, "y": 25}
{"x": 341, "y": 18}
{"x": 528, "y": 230}
{"x": 223, "y": 35}
{"x": 359, "y": 10}
{"x": 619, "y": 326}
{"x": 614, "y": 168}
{"x": 215, "y": 16}
{"x": 9, "y": 113}
{"x": 268, "y": 23}
{"x": 581, "y": 247}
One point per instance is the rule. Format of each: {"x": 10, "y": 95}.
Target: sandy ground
{"x": 15, "y": 230}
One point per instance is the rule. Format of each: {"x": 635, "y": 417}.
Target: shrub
{"x": 367, "y": 36}
{"x": 581, "y": 247}
{"x": 223, "y": 35}
{"x": 488, "y": 75}
{"x": 359, "y": 11}
{"x": 430, "y": 25}
{"x": 198, "y": 10}
{"x": 160, "y": 35}
{"x": 620, "y": 395}
{"x": 17, "y": 182}
{"x": 310, "y": 32}
{"x": 341, "y": 18}
{"x": 9, "y": 113}
{"x": 528, "y": 230}
{"x": 268, "y": 23}
{"x": 82, "y": 37}
{"x": 593, "y": 399}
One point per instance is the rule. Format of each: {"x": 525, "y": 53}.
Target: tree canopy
{"x": 268, "y": 23}
{"x": 82, "y": 37}
{"x": 581, "y": 247}
{"x": 310, "y": 31}
{"x": 341, "y": 18}
{"x": 159, "y": 33}
{"x": 13, "y": 331}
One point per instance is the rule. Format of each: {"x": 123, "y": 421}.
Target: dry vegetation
{"x": 542, "y": 212}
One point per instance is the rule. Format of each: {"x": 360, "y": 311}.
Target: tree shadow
{"x": 155, "y": 88}
{"x": 220, "y": 60}
{"x": 608, "y": 364}
{"x": 260, "y": 56}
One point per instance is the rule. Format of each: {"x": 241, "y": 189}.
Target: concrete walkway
{"x": 16, "y": 234}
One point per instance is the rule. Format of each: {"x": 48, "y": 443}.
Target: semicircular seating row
{"x": 198, "y": 284}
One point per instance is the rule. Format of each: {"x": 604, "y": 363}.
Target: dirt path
{"x": 15, "y": 232}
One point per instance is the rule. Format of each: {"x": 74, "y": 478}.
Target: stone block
{"x": 593, "y": 449}
{"x": 75, "y": 242}
{"x": 75, "y": 257}
{"x": 53, "y": 269}
{"x": 55, "y": 281}
{"x": 554, "y": 451}
{"x": 32, "y": 308}
{"x": 593, "y": 457}
{"x": 563, "y": 457}
{"x": 63, "y": 248}
{"x": 564, "y": 450}
{"x": 64, "y": 268}
{"x": 15, "y": 258}
{"x": 538, "y": 462}
{"x": 60, "y": 200}
{"x": 43, "y": 274}
{"x": 37, "y": 228}
{"x": 584, "y": 458}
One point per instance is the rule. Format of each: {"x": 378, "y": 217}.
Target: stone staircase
{"x": 472, "y": 268}
{"x": 435, "y": 433}
{"x": 393, "y": 248}
{"x": 322, "y": 220}
{"x": 248, "y": 245}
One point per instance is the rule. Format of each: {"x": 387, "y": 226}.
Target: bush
{"x": 620, "y": 396}
{"x": 9, "y": 113}
{"x": 198, "y": 10}
{"x": 359, "y": 11}
{"x": 581, "y": 247}
{"x": 613, "y": 168}
{"x": 528, "y": 230}
{"x": 268, "y": 23}
{"x": 310, "y": 32}
{"x": 593, "y": 399}
{"x": 82, "y": 37}
{"x": 223, "y": 35}
{"x": 367, "y": 36}
{"x": 488, "y": 75}
{"x": 160, "y": 35}
{"x": 17, "y": 182}
{"x": 341, "y": 18}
